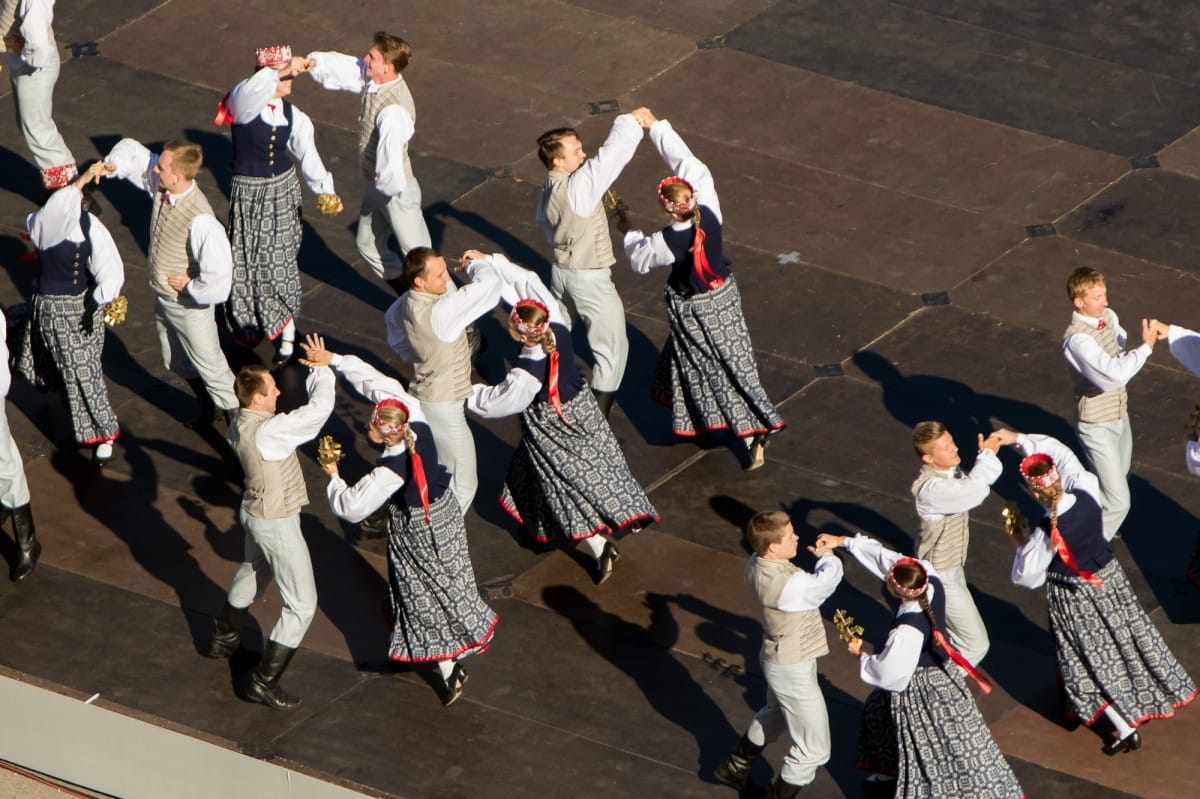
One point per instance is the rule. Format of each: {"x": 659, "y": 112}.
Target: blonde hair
{"x": 188, "y": 158}
{"x": 393, "y": 415}
{"x": 925, "y": 433}
{"x": 533, "y": 315}
{"x": 1082, "y": 280}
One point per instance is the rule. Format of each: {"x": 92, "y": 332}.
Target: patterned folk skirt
{"x": 60, "y": 349}
{"x": 707, "y": 373}
{"x": 1109, "y": 650}
{"x": 264, "y": 231}
{"x": 436, "y": 608}
{"x": 569, "y": 480}
{"x": 933, "y": 738}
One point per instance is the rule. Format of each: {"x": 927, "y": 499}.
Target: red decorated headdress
{"x": 272, "y": 56}
{"x": 1040, "y": 481}
{"x": 901, "y": 591}
{"x": 685, "y": 207}
{"x": 528, "y": 328}
{"x": 386, "y": 429}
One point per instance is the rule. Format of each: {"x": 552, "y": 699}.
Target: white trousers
{"x": 963, "y": 622}
{"x": 14, "y": 489}
{"x": 795, "y": 702}
{"x": 33, "y": 92}
{"x": 589, "y": 295}
{"x": 382, "y": 215}
{"x": 455, "y": 447}
{"x": 276, "y": 547}
{"x": 1109, "y": 447}
{"x": 191, "y": 348}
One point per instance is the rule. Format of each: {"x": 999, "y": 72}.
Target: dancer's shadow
{"x": 669, "y": 687}
{"x": 518, "y": 250}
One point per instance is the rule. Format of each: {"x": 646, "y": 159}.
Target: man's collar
{"x": 171, "y": 199}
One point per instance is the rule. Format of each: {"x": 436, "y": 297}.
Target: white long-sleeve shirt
{"x": 519, "y": 388}
{"x": 587, "y": 184}
{"x": 957, "y": 494}
{"x": 255, "y": 97}
{"x": 341, "y": 72}
{"x": 451, "y": 315}
{"x": 646, "y": 252}
{"x": 1034, "y": 558}
{"x": 1106, "y": 372}
{"x": 58, "y": 221}
{"x": 808, "y": 591}
{"x": 1185, "y": 346}
{"x": 278, "y": 437}
{"x": 207, "y": 240}
{"x": 357, "y": 502}
{"x": 893, "y": 666}
{"x": 37, "y": 20}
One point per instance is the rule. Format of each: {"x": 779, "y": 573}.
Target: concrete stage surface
{"x": 906, "y": 186}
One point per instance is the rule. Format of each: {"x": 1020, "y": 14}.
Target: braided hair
{"x": 912, "y": 578}
{"x": 533, "y": 315}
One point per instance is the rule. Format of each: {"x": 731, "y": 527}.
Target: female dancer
{"x": 568, "y": 478}
{"x": 1114, "y": 662}
{"x": 921, "y": 724}
{"x": 707, "y": 373}
{"x": 81, "y": 271}
{"x": 264, "y": 202}
{"x": 435, "y": 603}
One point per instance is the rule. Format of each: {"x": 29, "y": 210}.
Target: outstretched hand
{"x": 827, "y": 543}
{"x": 315, "y": 353}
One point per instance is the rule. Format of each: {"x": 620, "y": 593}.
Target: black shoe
{"x": 454, "y": 685}
{"x": 227, "y": 632}
{"x": 604, "y": 565}
{"x": 1130, "y": 743}
{"x": 605, "y": 400}
{"x": 29, "y": 549}
{"x": 757, "y": 455}
{"x": 783, "y": 790}
{"x": 264, "y": 682}
{"x": 737, "y": 767}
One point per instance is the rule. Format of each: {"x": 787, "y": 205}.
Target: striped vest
{"x": 943, "y": 540}
{"x": 1094, "y": 405}
{"x": 580, "y": 242}
{"x": 394, "y": 93}
{"x": 274, "y": 489}
{"x": 169, "y": 251}
{"x": 788, "y": 638}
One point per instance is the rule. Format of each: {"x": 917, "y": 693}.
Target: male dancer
{"x": 571, "y": 213}
{"x": 1094, "y": 346}
{"x": 265, "y": 443}
{"x": 386, "y": 122}
{"x": 793, "y": 639}
{"x": 945, "y": 496}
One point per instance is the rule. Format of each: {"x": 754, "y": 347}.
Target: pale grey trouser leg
{"x": 795, "y": 702}
{"x": 1109, "y": 447}
{"x": 14, "y": 488}
{"x": 591, "y": 295}
{"x": 191, "y": 348}
{"x": 33, "y": 92}
{"x": 455, "y": 447}
{"x": 276, "y": 547}
{"x": 382, "y": 215}
{"x": 963, "y": 621}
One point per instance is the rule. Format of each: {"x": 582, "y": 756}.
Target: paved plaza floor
{"x": 905, "y": 185}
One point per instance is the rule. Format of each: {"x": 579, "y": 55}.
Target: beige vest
{"x": 394, "y": 93}
{"x": 580, "y": 242}
{"x": 274, "y": 489}
{"x": 944, "y": 540}
{"x": 441, "y": 371}
{"x": 169, "y": 251}
{"x": 1094, "y": 405}
{"x": 788, "y": 638}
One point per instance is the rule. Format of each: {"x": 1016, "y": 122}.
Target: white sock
{"x": 104, "y": 450}
{"x": 446, "y": 667}
{"x": 287, "y": 338}
{"x": 596, "y": 544}
{"x": 1123, "y": 728}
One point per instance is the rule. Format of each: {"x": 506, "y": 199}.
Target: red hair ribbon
{"x": 985, "y": 683}
{"x": 389, "y": 430}
{"x": 530, "y": 329}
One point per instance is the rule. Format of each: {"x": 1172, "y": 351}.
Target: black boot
{"x": 208, "y": 409}
{"x": 227, "y": 632}
{"x": 879, "y": 789}
{"x": 264, "y": 682}
{"x": 604, "y": 564}
{"x": 28, "y": 547}
{"x": 783, "y": 790}
{"x": 605, "y": 400}
{"x": 736, "y": 770}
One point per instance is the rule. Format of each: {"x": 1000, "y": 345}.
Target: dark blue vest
{"x": 436, "y": 476}
{"x": 64, "y": 266}
{"x": 683, "y": 272}
{"x": 570, "y": 379}
{"x": 1082, "y": 527}
{"x": 931, "y": 653}
{"x": 260, "y": 150}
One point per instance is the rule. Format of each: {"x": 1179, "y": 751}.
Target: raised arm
{"x": 682, "y": 162}
{"x": 129, "y": 159}
{"x": 586, "y": 185}
{"x": 279, "y": 436}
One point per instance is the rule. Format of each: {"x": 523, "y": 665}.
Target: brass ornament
{"x": 1014, "y": 523}
{"x": 329, "y": 451}
{"x": 114, "y": 312}
{"x": 847, "y": 630}
{"x": 614, "y": 205}
{"x": 329, "y": 204}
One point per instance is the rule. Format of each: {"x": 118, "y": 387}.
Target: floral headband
{"x": 386, "y": 429}
{"x": 273, "y": 56}
{"x": 687, "y": 206}
{"x": 528, "y": 328}
{"x": 1041, "y": 481}
{"x": 901, "y": 591}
